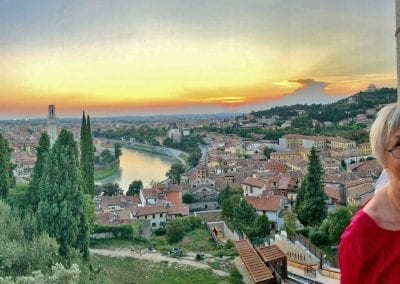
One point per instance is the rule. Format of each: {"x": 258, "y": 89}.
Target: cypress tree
{"x": 310, "y": 204}
{"x": 87, "y": 156}
{"x": 90, "y": 159}
{"x": 42, "y": 152}
{"x": 5, "y": 168}
{"x": 61, "y": 210}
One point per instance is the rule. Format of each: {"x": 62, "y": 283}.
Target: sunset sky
{"x": 205, "y": 56}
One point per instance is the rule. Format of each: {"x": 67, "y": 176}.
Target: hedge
{"x": 122, "y": 231}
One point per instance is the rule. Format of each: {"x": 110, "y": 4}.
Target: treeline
{"x": 49, "y": 221}
{"x": 142, "y": 134}
{"x": 188, "y": 144}
{"x": 354, "y": 132}
{"x": 336, "y": 111}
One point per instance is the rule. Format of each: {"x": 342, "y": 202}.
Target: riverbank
{"x": 177, "y": 155}
{"x": 107, "y": 171}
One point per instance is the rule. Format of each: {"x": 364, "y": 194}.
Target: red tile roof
{"x": 332, "y": 193}
{"x": 182, "y": 210}
{"x": 154, "y": 193}
{"x": 264, "y": 203}
{"x": 254, "y": 182}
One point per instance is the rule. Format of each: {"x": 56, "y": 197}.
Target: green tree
{"x": 21, "y": 251}
{"x": 174, "y": 173}
{"x": 343, "y": 164}
{"x": 135, "y": 187}
{"x": 243, "y": 215}
{"x": 61, "y": 210}
{"x": 42, "y": 151}
{"x": 61, "y": 275}
{"x": 289, "y": 225}
{"x": 310, "y": 203}
{"x": 194, "y": 158}
{"x": 109, "y": 189}
{"x": 175, "y": 231}
{"x": 87, "y": 156}
{"x": 188, "y": 198}
{"x": 118, "y": 150}
{"x": 338, "y": 221}
{"x": 5, "y": 168}
{"x": 268, "y": 151}
{"x": 262, "y": 226}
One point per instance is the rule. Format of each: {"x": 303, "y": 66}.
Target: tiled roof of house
{"x": 148, "y": 210}
{"x": 332, "y": 193}
{"x": 182, "y": 210}
{"x": 121, "y": 201}
{"x": 154, "y": 193}
{"x": 264, "y": 203}
{"x": 369, "y": 165}
{"x": 357, "y": 191}
{"x": 254, "y": 182}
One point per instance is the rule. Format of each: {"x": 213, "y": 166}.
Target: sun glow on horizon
{"x": 163, "y": 61}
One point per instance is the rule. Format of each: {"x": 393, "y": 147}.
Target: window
{"x": 161, "y": 215}
{"x": 154, "y": 216}
{"x": 251, "y": 190}
{"x": 145, "y": 217}
{"x": 153, "y": 224}
{"x": 205, "y": 206}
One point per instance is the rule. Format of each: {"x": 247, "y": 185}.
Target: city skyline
{"x": 166, "y": 57}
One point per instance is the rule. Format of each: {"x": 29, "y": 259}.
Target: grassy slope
{"x": 130, "y": 270}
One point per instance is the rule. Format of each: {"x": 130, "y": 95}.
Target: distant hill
{"x": 334, "y": 112}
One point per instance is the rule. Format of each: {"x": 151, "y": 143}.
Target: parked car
{"x": 175, "y": 252}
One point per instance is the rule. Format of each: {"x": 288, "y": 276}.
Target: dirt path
{"x": 156, "y": 257}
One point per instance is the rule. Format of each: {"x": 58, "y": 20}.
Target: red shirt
{"x": 369, "y": 253}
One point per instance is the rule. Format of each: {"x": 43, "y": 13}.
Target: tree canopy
{"x": 87, "y": 156}
{"x": 5, "y": 168}
{"x": 135, "y": 187}
{"x": 310, "y": 203}
{"x": 42, "y": 152}
{"x": 174, "y": 173}
{"x": 61, "y": 210}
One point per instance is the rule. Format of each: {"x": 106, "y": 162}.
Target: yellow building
{"x": 365, "y": 149}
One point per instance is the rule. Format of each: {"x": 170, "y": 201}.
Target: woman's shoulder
{"x": 361, "y": 232}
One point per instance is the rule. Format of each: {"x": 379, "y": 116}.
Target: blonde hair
{"x": 386, "y": 122}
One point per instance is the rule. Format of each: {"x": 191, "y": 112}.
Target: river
{"x": 139, "y": 165}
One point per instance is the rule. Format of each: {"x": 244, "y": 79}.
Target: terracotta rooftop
{"x": 255, "y": 266}
{"x": 331, "y": 192}
{"x": 360, "y": 190}
{"x": 182, "y": 210}
{"x": 264, "y": 203}
{"x": 370, "y": 165}
{"x": 271, "y": 253}
{"x": 154, "y": 193}
{"x": 254, "y": 182}
{"x": 149, "y": 209}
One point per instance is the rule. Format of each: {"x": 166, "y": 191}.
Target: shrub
{"x": 124, "y": 231}
{"x": 160, "y": 232}
{"x": 229, "y": 244}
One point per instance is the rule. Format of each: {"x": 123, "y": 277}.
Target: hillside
{"x": 334, "y": 112}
